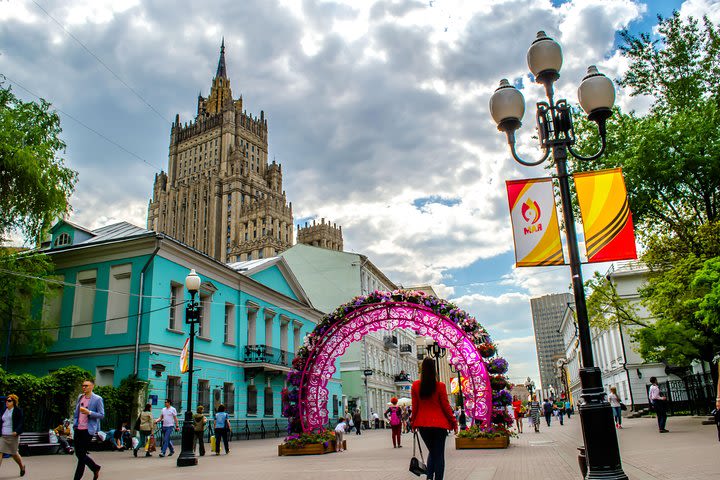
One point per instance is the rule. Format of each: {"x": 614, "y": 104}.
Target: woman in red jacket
{"x": 432, "y": 416}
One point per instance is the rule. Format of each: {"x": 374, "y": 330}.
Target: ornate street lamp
{"x": 192, "y": 316}
{"x": 555, "y": 131}
{"x": 530, "y": 385}
{"x": 435, "y": 351}
{"x": 453, "y": 369}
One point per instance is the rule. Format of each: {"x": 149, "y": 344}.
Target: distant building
{"x": 547, "y": 314}
{"x": 221, "y": 195}
{"x": 570, "y": 368}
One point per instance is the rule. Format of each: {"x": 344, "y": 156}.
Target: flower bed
{"x": 494, "y": 436}
{"x": 316, "y": 443}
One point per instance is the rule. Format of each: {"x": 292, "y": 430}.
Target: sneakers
{"x": 171, "y": 453}
{"x": 664, "y": 431}
{"x": 135, "y": 452}
{"x": 161, "y": 455}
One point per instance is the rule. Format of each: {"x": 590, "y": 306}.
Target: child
{"x": 339, "y": 434}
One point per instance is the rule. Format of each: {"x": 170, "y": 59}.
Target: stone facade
{"x": 220, "y": 194}
{"x": 323, "y": 235}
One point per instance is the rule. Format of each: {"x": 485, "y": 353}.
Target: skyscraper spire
{"x": 221, "y": 63}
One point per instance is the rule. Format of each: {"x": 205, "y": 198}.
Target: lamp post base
{"x": 187, "y": 457}
{"x": 601, "y": 445}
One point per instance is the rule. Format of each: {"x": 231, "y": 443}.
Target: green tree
{"x": 671, "y": 162}
{"x": 35, "y": 186}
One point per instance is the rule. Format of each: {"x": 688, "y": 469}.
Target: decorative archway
{"x": 466, "y": 342}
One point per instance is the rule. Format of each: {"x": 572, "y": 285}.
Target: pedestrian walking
{"x": 519, "y": 411}
{"x": 560, "y": 411}
{"x": 407, "y": 412}
{"x": 394, "y": 415}
{"x": 547, "y": 410}
{"x": 199, "y": 422}
{"x": 89, "y": 410}
{"x": 340, "y": 429}
{"x": 534, "y": 417}
{"x": 462, "y": 419}
{"x": 222, "y": 429}
{"x": 357, "y": 420}
{"x": 616, "y": 407}
{"x": 12, "y": 427}
{"x": 145, "y": 427}
{"x": 657, "y": 400}
{"x": 568, "y": 409}
{"x": 432, "y": 417}
{"x": 376, "y": 419}
{"x": 169, "y": 422}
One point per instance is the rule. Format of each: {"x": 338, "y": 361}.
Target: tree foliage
{"x": 35, "y": 185}
{"x": 671, "y": 162}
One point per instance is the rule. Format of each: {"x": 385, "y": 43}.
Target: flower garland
{"x": 463, "y": 320}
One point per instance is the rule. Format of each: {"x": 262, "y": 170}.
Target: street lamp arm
{"x": 511, "y": 142}
{"x": 603, "y": 145}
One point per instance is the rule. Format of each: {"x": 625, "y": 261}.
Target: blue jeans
{"x": 434, "y": 439}
{"x": 167, "y": 443}
{"x": 617, "y": 413}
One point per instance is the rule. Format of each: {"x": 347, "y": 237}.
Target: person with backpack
{"x": 548, "y": 410}
{"x": 394, "y": 416}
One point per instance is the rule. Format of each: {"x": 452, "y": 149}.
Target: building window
{"x": 252, "y": 400}
{"x": 84, "y": 304}
{"x": 229, "y": 398}
{"x": 118, "y": 305}
{"x": 104, "y": 376}
{"x": 174, "y": 392}
{"x": 176, "y": 302}
{"x": 205, "y": 308}
{"x": 204, "y": 395}
{"x": 268, "y": 401}
{"x": 229, "y": 323}
{"x": 62, "y": 239}
{"x": 335, "y": 406}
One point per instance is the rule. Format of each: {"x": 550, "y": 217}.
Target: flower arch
{"x": 466, "y": 341}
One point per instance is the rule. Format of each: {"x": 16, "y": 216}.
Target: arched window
{"x": 62, "y": 239}
{"x": 252, "y": 400}
{"x": 268, "y": 401}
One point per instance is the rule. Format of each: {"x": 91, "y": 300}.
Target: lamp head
{"x": 192, "y": 282}
{"x": 429, "y": 341}
{"x": 544, "y": 58}
{"x": 596, "y": 95}
{"x": 507, "y": 107}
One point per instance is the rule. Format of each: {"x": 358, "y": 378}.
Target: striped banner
{"x": 606, "y": 216}
{"x": 184, "y": 357}
{"x": 535, "y": 223}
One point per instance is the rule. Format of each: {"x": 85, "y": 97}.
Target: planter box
{"x": 467, "y": 443}
{"x": 310, "y": 449}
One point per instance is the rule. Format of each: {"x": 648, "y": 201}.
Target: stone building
{"x": 323, "y": 235}
{"x": 547, "y": 315}
{"x": 220, "y": 195}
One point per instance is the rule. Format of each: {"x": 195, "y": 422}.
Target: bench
{"x": 254, "y": 427}
{"x": 37, "y": 443}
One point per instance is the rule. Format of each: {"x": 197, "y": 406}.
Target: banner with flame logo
{"x": 606, "y": 215}
{"x": 535, "y": 223}
{"x": 184, "y": 357}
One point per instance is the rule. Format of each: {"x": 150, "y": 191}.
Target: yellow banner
{"x": 606, "y": 216}
{"x": 534, "y": 222}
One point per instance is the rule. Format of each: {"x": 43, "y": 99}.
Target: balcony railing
{"x": 402, "y": 378}
{"x": 265, "y": 354}
{"x": 405, "y": 348}
{"x": 391, "y": 341}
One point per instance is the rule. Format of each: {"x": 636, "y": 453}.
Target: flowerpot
{"x": 462, "y": 443}
{"x": 309, "y": 449}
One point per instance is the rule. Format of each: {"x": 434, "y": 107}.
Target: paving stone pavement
{"x": 690, "y": 451}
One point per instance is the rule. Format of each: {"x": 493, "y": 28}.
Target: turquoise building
{"x": 119, "y": 312}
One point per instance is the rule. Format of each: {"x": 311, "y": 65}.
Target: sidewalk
{"x": 690, "y": 451}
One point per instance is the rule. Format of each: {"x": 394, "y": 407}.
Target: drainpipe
{"x": 140, "y": 312}
{"x": 627, "y": 372}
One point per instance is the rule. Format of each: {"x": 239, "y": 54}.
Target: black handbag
{"x": 417, "y": 467}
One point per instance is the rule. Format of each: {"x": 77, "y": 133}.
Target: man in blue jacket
{"x": 89, "y": 410}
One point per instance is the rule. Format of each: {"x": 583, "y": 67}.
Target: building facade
{"x": 220, "y": 194}
{"x": 547, "y": 313}
{"x": 572, "y": 362}
{"x": 119, "y": 312}
{"x": 332, "y": 278}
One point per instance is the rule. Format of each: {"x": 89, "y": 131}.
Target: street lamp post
{"x": 436, "y": 352}
{"x": 555, "y": 131}
{"x": 453, "y": 369}
{"x": 192, "y": 316}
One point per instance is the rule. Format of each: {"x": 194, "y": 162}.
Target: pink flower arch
{"x": 449, "y": 326}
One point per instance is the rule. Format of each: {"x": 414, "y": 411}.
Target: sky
{"x": 377, "y": 111}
